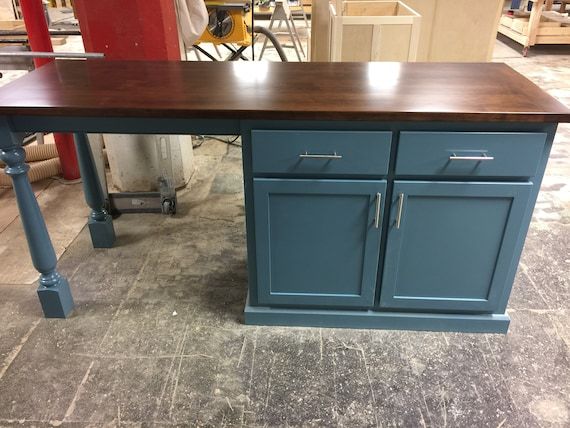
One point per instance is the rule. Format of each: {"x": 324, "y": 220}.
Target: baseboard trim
{"x": 486, "y": 323}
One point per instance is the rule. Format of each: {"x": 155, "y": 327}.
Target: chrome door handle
{"x": 320, "y": 156}
{"x": 400, "y": 208}
{"x": 483, "y": 157}
{"x": 377, "y": 215}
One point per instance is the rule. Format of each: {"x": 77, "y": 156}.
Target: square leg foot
{"x": 56, "y": 300}
{"x": 102, "y": 232}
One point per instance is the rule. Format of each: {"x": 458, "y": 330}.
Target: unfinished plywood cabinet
{"x": 373, "y": 31}
{"x": 450, "y": 31}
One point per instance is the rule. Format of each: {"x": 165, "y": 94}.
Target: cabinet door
{"x": 317, "y": 241}
{"x": 450, "y": 245}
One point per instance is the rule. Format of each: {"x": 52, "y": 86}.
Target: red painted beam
{"x": 37, "y": 29}
{"x": 129, "y": 30}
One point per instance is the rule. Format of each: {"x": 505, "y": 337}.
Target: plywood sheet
{"x": 369, "y": 8}
{"x": 353, "y": 36}
{"x": 426, "y": 8}
{"x": 464, "y": 33}
{"x": 320, "y": 31}
{"x": 394, "y": 43}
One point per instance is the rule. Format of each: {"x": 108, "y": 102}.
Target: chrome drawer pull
{"x": 484, "y": 157}
{"x": 320, "y": 156}
{"x": 400, "y": 208}
{"x": 377, "y": 216}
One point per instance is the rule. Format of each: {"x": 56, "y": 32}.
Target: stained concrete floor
{"x": 157, "y": 337}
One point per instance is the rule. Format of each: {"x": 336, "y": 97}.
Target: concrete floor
{"x": 157, "y": 337}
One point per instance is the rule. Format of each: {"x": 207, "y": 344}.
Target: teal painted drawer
{"x": 321, "y": 153}
{"x": 470, "y": 154}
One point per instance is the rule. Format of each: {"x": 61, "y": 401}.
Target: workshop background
{"x": 158, "y": 338}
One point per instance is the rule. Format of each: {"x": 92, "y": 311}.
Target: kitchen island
{"x": 377, "y": 195}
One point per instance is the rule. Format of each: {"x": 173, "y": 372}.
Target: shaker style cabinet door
{"x": 317, "y": 241}
{"x": 450, "y": 245}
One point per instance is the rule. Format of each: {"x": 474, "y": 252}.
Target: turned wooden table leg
{"x": 100, "y": 222}
{"x": 53, "y": 291}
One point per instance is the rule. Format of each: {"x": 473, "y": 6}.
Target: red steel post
{"x": 40, "y": 41}
{"x": 129, "y": 30}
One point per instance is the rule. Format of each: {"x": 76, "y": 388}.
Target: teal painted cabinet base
{"x": 437, "y": 251}
{"x": 337, "y": 318}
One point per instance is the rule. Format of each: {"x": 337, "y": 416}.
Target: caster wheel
{"x": 525, "y": 52}
{"x": 168, "y": 207}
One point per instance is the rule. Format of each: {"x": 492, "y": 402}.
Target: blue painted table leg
{"x": 100, "y": 222}
{"x": 53, "y": 291}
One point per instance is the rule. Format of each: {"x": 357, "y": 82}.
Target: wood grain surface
{"x": 263, "y": 90}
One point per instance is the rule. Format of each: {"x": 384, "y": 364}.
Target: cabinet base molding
{"x": 487, "y": 323}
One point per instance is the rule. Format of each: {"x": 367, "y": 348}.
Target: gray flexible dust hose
{"x": 273, "y": 39}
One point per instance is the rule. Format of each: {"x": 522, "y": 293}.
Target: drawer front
{"x": 321, "y": 153}
{"x": 470, "y": 154}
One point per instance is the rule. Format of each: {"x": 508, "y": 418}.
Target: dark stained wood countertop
{"x": 489, "y": 92}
